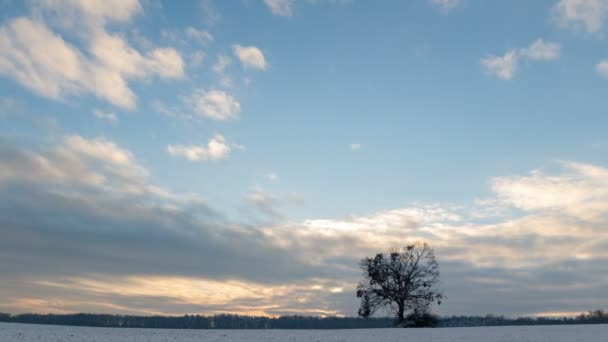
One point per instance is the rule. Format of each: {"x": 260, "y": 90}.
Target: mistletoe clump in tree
{"x": 404, "y": 280}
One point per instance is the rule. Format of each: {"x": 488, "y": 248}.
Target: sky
{"x": 171, "y": 157}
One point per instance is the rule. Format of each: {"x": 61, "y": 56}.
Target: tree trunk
{"x": 401, "y": 313}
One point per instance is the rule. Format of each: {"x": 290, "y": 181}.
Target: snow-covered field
{"x": 10, "y": 332}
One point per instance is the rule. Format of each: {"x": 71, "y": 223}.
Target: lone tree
{"x": 404, "y": 280}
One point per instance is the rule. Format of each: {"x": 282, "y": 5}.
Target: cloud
{"x": 542, "y": 51}
{"x": 96, "y": 14}
{"x": 602, "y": 68}
{"x": 355, "y": 146}
{"x": 42, "y": 61}
{"x": 216, "y": 149}
{"x": 223, "y": 62}
{"x": 92, "y": 196}
{"x": 504, "y": 67}
{"x": 446, "y": 6}
{"x": 117, "y": 56}
{"x": 176, "y": 295}
{"x": 108, "y": 116}
{"x": 201, "y": 36}
{"x": 584, "y": 184}
{"x": 514, "y": 245}
{"x": 280, "y": 7}
{"x": 266, "y": 208}
{"x": 251, "y": 57}
{"x": 84, "y": 228}
{"x": 272, "y": 177}
{"x": 265, "y": 203}
{"x": 211, "y": 16}
{"x": 588, "y": 14}
{"x": 39, "y": 59}
{"x": 284, "y": 8}
{"x": 214, "y": 104}
{"x": 197, "y": 58}
{"x": 78, "y": 162}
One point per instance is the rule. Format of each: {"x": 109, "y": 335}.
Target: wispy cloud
{"x": 505, "y": 67}
{"x": 197, "y": 58}
{"x": 108, "y": 116}
{"x": 210, "y": 15}
{"x": 541, "y": 51}
{"x": 201, "y": 36}
{"x": 602, "y": 68}
{"x": 280, "y": 7}
{"x": 265, "y": 203}
{"x": 216, "y": 149}
{"x": 223, "y": 62}
{"x": 502, "y": 67}
{"x": 43, "y": 61}
{"x": 586, "y": 14}
{"x": 446, "y": 6}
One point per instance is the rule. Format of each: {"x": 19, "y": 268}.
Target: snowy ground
{"x": 10, "y": 332}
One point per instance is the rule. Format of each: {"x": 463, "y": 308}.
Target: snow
{"x": 10, "y": 332}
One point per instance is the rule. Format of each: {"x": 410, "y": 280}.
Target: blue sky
{"x": 307, "y": 124}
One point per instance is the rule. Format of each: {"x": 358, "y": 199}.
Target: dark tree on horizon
{"x": 405, "y": 280}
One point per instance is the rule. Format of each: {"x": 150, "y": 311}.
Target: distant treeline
{"x": 283, "y": 322}
{"x": 591, "y": 317}
{"x": 200, "y": 321}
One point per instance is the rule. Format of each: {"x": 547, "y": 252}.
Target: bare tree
{"x": 404, "y": 280}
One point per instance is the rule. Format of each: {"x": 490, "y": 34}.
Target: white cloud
{"x": 272, "y": 177}
{"x": 41, "y": 60}
{"x": 95, "y": 13}
{"x": 113, "y": 53}
{"x": 115, "y": 62}
{"x": 446, "y": 5}
{"x": 502, "y": 67}
{"x": 542, "y": 51}
{"x": 251, "y": 57}
{"x": 109, "y": 116}
{"x": 165, "y": 62}
{"x": 355, "y": 146}
{"x": 197, "y": 58}
{"x": 98, "y": 149}
{"x": 200, "y": 36}
{"x": 214, "y": 104}
{"x": 590, "y": 14}
{"x": 568, "y": 210}
{"x": 280, "y": 7}
{"x": 581, "y": 191}
{"x": 216, "y": 149}
{"x": 223, "y": 62}
{"x": 602, "y": 68}
{"x": 78, "y": 161}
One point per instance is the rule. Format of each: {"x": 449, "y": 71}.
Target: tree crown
{"x": 402, "y": 279}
